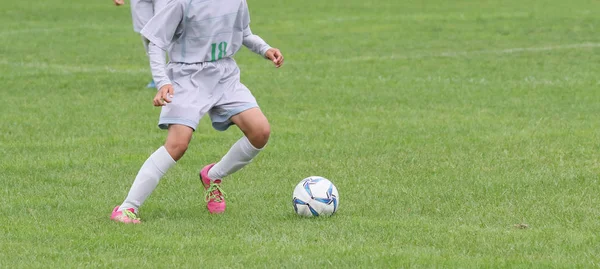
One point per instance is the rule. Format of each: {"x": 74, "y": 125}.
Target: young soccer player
{"x": 141, "y": 12}
{"x": 201, "y": 37}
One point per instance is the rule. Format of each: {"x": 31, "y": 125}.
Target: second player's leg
{"x": 141, "y": 12}
{"x": 159, "y": 4}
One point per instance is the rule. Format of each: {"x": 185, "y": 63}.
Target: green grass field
{"x": 460, "y": 134}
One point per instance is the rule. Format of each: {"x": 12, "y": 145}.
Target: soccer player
{"x": 201, "y": 37}
{"x": 141, "y": 12}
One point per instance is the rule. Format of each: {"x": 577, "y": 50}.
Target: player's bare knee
{"x": 260, "y": 136}
{"x": 176, "y": 149}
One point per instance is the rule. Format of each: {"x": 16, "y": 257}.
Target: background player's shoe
{"x": 126, "y": 216}
{"x": 151, "y": 85}
{"x": 215, "y": 197}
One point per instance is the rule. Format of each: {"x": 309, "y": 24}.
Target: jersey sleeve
{"x": 157, "y": 66}
{"x": 251, "y": 41}
{"x": 163, "y": 28}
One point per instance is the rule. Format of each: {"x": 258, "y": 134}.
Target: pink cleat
{"x": 127, "y": 216}
{"x": 215, "y": 197}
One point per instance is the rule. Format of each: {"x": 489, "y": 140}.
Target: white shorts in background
{"x": 143, "y": 10}
{"x": 208, "y": 87}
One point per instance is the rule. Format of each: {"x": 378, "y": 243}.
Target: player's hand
{"x": 275, "y": 55}
{"x": 119, "y": 2}
{"x": 164, "y": 95}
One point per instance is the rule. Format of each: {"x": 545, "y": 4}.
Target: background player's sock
{"x": 151, "y": 85}
{"x": 240, "y": 154}
{"x": 147, "y": 178}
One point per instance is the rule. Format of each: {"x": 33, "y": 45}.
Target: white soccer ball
{"x": 315, "y": 196}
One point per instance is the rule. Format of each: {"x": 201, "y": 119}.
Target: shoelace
{"x": 215, "y": 192}
{"x": 130, "y": 215}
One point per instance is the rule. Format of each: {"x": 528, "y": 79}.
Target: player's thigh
{"x": 238, "y": 106}
{"x": 141, "y": 12}
{"x": 179, "y": 134}
{"x": 235, "y": 101}
{"x": 193, "y": 96}
{"x": 252, "y": 122}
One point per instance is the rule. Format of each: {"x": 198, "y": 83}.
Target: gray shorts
{"x": 143, "y": 10}
{"x": 208, "y": 87}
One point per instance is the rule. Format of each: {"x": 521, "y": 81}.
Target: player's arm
{"x": 160, "y": 31}
{"x": 119, "y": 2}
{"x": 159, "y": 75}
{"x": 255, "y": 43}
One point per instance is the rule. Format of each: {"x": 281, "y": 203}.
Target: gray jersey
{"x": 194, "y": 31}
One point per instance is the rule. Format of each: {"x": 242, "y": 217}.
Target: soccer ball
{"x": 315, "y": 196}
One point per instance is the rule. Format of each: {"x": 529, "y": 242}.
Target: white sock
{"x": 240, "y": 154}
{"x": 147, "y": 178}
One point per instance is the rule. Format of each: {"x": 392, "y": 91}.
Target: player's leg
{"x": 255, "y": 126}
{"x": 178, "y": 140}
{"x": 236, "y": 106}
{"x": 180, "y": 117}
{"x": 256, "y": 129}
{"x": 152, "y": 171}
{"x": 159, "y": 4}
{"x": 141, "y": 12}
